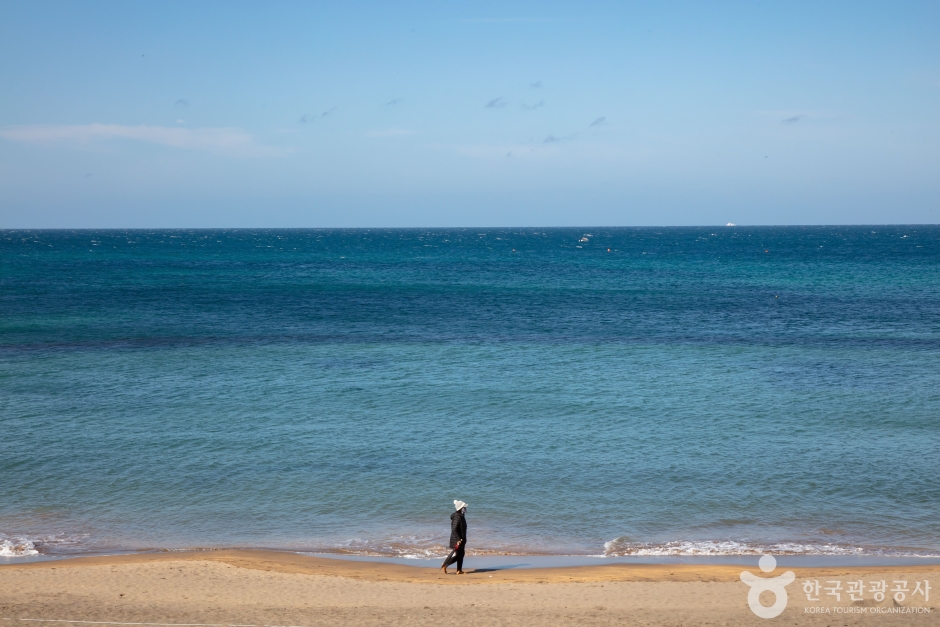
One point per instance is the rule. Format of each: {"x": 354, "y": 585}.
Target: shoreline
{"x": 529, "y": 561}
{"x": 507, "y": 561}
{"x": 507, "y": 569}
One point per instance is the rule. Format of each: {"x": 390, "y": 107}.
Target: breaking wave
{"x": 624, "y": 546}
{"x": 23, "y": 545}
{"x": 16, "y": 547}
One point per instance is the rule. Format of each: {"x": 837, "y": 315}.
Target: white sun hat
{"x": 459, "y": 505}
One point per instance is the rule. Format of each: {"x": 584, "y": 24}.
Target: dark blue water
{"x": 619, "y": 391}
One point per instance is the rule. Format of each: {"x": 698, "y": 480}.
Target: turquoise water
{"x": 642, "y": 392}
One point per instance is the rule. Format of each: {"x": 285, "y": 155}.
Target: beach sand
{"x": 272, "y": 588}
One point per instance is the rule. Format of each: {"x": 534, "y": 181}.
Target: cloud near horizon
{"x": 231, "y": 141}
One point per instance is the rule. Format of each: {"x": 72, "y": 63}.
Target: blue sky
{"x": 305, "y": 114}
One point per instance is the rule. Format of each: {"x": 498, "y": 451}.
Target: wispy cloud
{"x": 231, "y": 141}
{"x": 496, "y": 103}
{"x": 536, "y": 85}
{"x": 793, "y": 120}
{"x": 306, "y": 118}
{"x": 182, "y": 103}
{"x": 540, "y": 103}
{"x": 553, "y": 139}
{"x": 598, "y": 122}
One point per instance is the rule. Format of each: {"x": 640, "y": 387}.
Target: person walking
{"x": 458, "y": 537}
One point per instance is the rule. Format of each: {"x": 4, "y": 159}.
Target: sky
{"x": 410, "y": 114}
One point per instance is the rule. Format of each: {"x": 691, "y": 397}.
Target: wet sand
{"x": 263, "y": 588}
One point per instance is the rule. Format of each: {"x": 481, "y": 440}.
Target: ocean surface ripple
{"x": 617, "y": 391}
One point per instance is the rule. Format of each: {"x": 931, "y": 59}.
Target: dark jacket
{"x": 458, "y": 529}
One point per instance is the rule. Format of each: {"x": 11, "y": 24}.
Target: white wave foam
{"x": 407, "y": 547}
{"x": 17, "y": 547}
{"x": 623, "y": 546}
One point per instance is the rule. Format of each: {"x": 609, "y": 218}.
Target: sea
{"x": 592, "y": 391}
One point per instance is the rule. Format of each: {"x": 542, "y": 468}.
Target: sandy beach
{"x": 263, "y": 588}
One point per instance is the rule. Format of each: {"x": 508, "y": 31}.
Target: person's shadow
{"x": 496, "y": 569}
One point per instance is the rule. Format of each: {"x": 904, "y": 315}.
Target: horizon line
{"x": 471, "y": 227}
